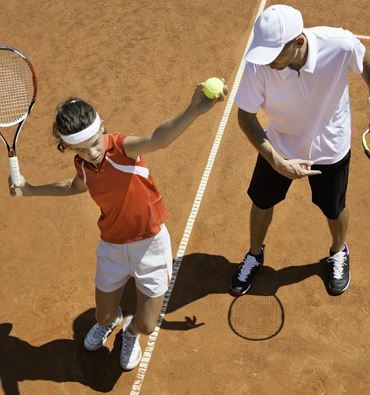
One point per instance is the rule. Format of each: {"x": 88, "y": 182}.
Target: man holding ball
{"x": 300, "y": 78}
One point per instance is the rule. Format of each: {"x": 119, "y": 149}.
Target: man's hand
{"x": 296, "y": 168}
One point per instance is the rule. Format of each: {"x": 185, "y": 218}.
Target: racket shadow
{"x": 204, "y": 274}
{"x": 259, "y": 315}
{"x": 60, "y": 360}
{"x": 256, "y": 318}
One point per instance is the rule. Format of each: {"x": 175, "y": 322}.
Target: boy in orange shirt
{"x": 134, "y": 239}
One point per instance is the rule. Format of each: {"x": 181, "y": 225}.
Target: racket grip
{"x": 15, "y": 174}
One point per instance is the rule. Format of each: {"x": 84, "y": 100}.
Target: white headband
{"x": 84, "y": 134}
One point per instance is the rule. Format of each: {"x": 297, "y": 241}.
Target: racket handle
{"x": 15, "y": 174}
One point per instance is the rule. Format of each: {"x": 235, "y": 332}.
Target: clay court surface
{"x": 138, "y": 62}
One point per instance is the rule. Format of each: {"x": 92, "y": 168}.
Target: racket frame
{"x": 364, "y": 143}
{"x": 12, "y": 156}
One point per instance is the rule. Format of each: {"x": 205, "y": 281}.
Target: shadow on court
{"x": 65, "y": 360}
{"x": 61, "y": 360}
{"x": 203, "y": 274}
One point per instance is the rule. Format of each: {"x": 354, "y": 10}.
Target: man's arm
{"x": 251, "y": 127}
{"x": 292, "y": 168}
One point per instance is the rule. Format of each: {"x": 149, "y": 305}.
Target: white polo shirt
{"x": 308, "y": 112}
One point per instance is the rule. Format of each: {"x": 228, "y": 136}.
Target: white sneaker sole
{"x": 240, "y": 293}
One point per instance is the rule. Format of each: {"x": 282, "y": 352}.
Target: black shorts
{"x": 328, "y": 189}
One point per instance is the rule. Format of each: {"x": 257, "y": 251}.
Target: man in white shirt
{"x": 300, "y": 78}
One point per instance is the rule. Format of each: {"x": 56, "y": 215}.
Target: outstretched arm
{"x": 73, "y": 186}
{"x": 172, "y": 129}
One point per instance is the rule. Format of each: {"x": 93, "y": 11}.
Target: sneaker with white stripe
{"x": 98, "y": 334}
{"x": 242, "y": 278}
{"x": 340, "y": 277}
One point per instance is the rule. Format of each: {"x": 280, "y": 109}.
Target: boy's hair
{"x": 72, "y": 116}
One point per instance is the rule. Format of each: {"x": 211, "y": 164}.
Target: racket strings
{"x": 256, "y": 317}
{"x": 16, "y": 87}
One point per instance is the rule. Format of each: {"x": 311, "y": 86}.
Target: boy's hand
{"x": 200, "y": 102}
{"x": 23, "y": 185}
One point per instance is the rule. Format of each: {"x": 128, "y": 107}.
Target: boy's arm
{"x": 169, "y": 131}
{"x": 64, "y": 188}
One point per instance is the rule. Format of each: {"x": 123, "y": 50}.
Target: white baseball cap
{"x": 275, "y": 27}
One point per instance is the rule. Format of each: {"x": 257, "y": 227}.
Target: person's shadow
{"x": 202, "y": 274}
{"x": 60, "y": 360}
{"x": 65, "y": 360}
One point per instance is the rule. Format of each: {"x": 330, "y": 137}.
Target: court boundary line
{"x": 143, "y": 366}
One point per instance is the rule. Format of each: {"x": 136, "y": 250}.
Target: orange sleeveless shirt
{"x": 131, "y": 206}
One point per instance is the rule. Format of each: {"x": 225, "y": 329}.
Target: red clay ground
{"x": 138, "y": 63}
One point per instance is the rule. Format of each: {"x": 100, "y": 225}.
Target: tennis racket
{"x": 365, "y": 138}
{"x": 18, "y": 89}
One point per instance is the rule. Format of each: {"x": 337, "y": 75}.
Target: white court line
{"x": 135, "y": 390}
{"x": 363, "y": 37}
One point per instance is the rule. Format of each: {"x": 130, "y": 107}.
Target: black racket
{"x": 365, "y": 138}
{"x": 18, "y": 89}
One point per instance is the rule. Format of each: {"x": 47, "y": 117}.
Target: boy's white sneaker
{"x": 131, "y": 350}
{"x": 98, "y": 334}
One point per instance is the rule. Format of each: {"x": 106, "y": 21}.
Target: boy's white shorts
{"x": 148, "y": 261}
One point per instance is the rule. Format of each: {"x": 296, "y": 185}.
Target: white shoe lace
{"x": 101, "y": 331}
{"x": 339, "y": 260}
{"x": 128, "y": 341}
{"x": 249, "y": 263}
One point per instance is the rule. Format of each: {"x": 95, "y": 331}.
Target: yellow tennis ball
{"x": 213, "y": 87}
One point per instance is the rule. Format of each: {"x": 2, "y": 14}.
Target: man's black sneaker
{"x": 242, "y": 278}
{"x": 340, "y": 276}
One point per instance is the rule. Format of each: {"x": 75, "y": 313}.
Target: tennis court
{"x": 138, "y": 63}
